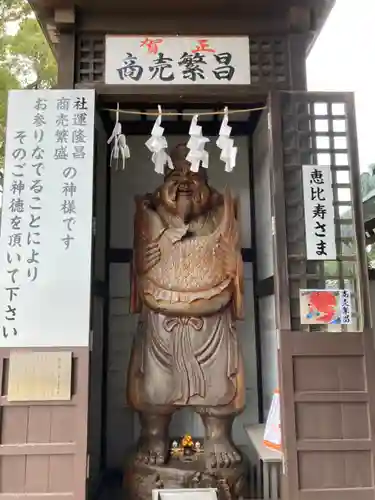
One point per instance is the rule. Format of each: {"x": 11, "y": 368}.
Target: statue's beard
{"x": 187, "y": 204}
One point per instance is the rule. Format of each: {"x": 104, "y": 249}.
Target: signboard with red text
{"x": 158, "y": 60}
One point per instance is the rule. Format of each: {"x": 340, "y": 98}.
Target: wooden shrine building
{"x": 325, "y": 372}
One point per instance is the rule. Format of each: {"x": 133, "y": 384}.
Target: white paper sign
{"x": 45, "y": 243}
{"x": 319, "y": 213}
{"x": 160, "y": 60}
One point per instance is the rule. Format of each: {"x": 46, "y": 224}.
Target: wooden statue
{"x": 188, "y": 289}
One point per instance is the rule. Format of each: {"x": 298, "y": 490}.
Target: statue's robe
{"x": 186, "y": 350}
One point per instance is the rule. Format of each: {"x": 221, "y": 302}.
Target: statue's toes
{"x": 159, "y": 459}
{"x": 225, "y": 460}
{"x": 213, "y": 460}
{"x": 237, "y": 458}
{"x": 152, "y": 458}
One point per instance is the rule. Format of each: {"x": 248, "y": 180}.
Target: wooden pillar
{"x": 65, "y": 23}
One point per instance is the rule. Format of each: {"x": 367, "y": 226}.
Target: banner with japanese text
{"x": 319, "y": 213}
{"x": 46, "y": 229}
{"x": 159, "y": 60}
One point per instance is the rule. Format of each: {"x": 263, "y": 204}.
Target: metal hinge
{"x": 87, "y": 466}
{"x": 284, "y": 465}
{"x": 94, "y": 226}
{"x": 91, "y": 339}
{"x": 278, "y": 338}
{"x": 269, "y": 121}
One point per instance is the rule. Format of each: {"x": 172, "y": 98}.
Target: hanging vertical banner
{"x": 319, "y": 213}
{"x": 45, "y": 243}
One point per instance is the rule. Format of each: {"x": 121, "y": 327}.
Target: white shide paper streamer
{"x": 120, "y": 150}
{"x": 226, "y": 144}
{"x": 157, "y": 144}
{"x": 197, "y": 155}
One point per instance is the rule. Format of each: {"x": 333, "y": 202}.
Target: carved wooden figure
{"x": 188, "y": 289}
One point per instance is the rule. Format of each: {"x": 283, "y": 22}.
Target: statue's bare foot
{"x": 153, "y": 443}
{"x": 152, "y": 451}
{"x": 221, "y": 453}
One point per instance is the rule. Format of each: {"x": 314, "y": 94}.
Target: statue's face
{"x": 183, "y": 187}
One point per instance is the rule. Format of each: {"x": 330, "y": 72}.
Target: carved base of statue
{"x": 140, "y": 478}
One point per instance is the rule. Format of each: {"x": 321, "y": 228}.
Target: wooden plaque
{"x": 40, "y": 376}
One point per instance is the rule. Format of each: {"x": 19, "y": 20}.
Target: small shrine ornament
{"x": 187, "y": 444}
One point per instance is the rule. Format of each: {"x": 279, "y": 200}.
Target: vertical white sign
{"x": 319, "y": 212}
{"x": 45, "y": 243}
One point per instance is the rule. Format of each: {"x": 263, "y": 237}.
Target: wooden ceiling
{"x": 261, "y": 8}
{"x": 266, "y": 13}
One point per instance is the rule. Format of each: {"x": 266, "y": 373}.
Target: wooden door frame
{"x": 295, "y": 343}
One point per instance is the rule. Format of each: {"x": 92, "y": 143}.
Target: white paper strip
{"x": 197, "y": 155}
{"x": 319, "y": 212}
{"x": 226, "y": 144}
{"x": 157, "y": 144}
{"x": 120, "y": 150}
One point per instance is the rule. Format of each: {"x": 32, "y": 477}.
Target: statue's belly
{"x": 191, "y": 265}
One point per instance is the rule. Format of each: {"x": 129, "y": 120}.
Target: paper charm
{"x": 197, "y": 155}
{"x": 226, "y": 144}
{"x": 120, "y": 150}
{"x": 157, "y": 144}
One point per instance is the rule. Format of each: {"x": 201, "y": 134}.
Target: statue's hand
{"x": 152, "y": 256}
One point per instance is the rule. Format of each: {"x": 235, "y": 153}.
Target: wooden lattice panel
{"x": 269, "y": 61}
{"x": 316, "y": 131}
{"x": 90, "y": 58}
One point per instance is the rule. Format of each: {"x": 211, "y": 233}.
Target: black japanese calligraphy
{"x": 39, "y": 120}
{"x": 69, "y": 173}
{"x": 80, "y": 119}
{"x": 17, "y": 205}
{"x": 192, "y": 66}
{"x": 69, "y": 188}
{"x": 130, "y": 68}
{"x": 5, "y": 331}
{"x": 39, "y": 167}
{"x": 15, "y": 240}
{"x": 66, "y": 240}
{"x": 17, "y": 187}
{"x": 79, "y": 136}
{"x": 317, "y": 194}
{"x": 224, "y": 70}
{"x": 62, "y": 136}
{"x": 61, "y": 153}
{"x": 68, "y": 207}
{"x": 15, "y": 223}
{"x": 79, "y": 152}
{"x": 80, "y": 103}
{"x": 63, "y": 104}
{"x": 162, "y": 69}
{"x": 20, "y": 136}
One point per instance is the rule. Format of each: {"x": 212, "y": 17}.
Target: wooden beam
{"x": 300, "y": 19}
{"x": 161, "y": 94}
{"x": 66, "y": 61}
{"x": 183, "y": 25}
{"x": 64, "y": 17}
